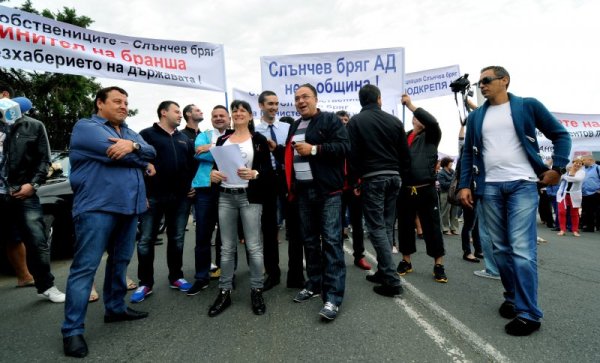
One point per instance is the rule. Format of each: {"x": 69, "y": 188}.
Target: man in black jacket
{"x": 167, "y": 193}
{"x": 24, "y": 162}
{"x": 379, "y": 156}
{"x": 315, "y": 150}
{"x": 418, "y": 195}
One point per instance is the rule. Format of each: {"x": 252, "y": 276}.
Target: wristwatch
{"x": 313, "y": 150}
{"x": 136, "y": 146}
{"x": 560, "y": 169}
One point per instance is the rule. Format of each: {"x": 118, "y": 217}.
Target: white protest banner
{"x": 251, "y": 98}
{"x": 336, "y": 76}
{"x": 584, "y": 130}
{"x": 431, "y": 83}
{"x": 30, "y": 41}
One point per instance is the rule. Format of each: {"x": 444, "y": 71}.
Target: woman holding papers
{"x": 245, "y": 175}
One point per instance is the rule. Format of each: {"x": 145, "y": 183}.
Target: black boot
{"x": 258, "y": 303}
{"x": 221, "y": 303}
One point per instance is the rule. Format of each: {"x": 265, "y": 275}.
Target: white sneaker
{"x": 394, "y": 250}
{"x": 485, "y": 274}
{"x": 53, "y": 294}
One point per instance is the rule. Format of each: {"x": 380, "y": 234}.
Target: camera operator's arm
{"x": 471, "y": 105}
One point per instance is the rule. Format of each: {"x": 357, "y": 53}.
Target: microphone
{"x": 12, "y": 110}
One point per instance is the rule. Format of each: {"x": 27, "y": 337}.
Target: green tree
{"x": 59, "y": 99}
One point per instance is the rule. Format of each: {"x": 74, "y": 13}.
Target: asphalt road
{"x": 431, "y": 322}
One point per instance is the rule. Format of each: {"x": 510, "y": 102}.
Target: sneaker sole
{"x": 440, "y": 280}
{"x": 326, "y": 318}
{"x": 305, "y": 300}
{"x": 405, "y": 272}
{"x": 144, "y": 298}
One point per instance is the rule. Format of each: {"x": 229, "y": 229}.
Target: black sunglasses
{"x": 487, "y": 80}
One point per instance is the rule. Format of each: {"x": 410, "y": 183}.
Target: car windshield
{"x": 60, "y": 165}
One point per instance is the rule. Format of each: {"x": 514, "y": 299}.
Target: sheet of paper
{"x": 229, "y": 160}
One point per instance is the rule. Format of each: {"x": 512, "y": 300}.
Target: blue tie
{"x": 274, "y": 138}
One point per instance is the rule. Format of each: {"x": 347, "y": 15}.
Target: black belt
{"x": 233, "y": 190}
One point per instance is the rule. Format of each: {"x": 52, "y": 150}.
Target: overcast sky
{"x": 548, "y": 46}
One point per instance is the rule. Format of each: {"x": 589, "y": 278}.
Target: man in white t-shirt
{"x": 501, "y": 157}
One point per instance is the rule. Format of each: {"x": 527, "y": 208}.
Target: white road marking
{"x": 452, "y": 351}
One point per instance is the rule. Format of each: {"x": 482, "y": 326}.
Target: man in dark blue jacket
{"x": 167, "y": 196}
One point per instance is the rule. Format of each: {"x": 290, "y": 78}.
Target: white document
{"x": 229, "y": 160}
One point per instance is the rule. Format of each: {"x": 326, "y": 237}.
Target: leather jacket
{"x": 28, "y": 152}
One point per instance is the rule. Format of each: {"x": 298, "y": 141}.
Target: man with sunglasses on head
{"x": 501, "y": 158}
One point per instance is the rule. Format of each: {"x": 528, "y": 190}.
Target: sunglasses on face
{"x": 487, "y": 80}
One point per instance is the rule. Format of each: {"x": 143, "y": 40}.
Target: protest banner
{"x": 337, "y": 77}
{"x": 584, "y": 130}
{"x": 430, "y": 83}
{"x": 33, "y": 42}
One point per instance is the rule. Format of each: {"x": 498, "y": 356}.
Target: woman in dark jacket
{"x": 242, "y": 198}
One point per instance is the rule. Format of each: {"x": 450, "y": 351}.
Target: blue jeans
{"x": 486, "y": 246}
{"x": 95, "y": 233}
{"x": 232, "y": 207}
{"x": 379, "y": 195}
{"x": 176, "y": 211}
{"x": 321, "y": 233}
{"x": 508, "y": 217}
{"x": 206, "y": 211}
{"x": 26, "y": 216}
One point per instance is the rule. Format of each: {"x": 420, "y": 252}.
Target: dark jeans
{"x": 206, "y": 213}
{"x": 95, "y": 233}
{"x": 26, "y": 215}
{"x": 176, "y": 212}
{"x": 590, "y": 212}
{"x": 470, "y": 229}
{"x": 270, "y": 231}
{"x": 424, "y": 201}
{"x": 354, "y": 205}
{"x": 379, "y": 195}
{"x": 295, "y": 245}
{"x": 321, "y": 232}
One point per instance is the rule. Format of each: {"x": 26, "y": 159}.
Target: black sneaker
{"x": 439, "y": 274}
{"x": 376, "y": 278}
{"x": 387, "y": 290}
{"x": 521, "y": 327}
{"x": 404, "y": 267}
{"x": 305, "y": 295}
{"x": 198, "y": 286}
{"x": 258, "y": 303}
{"x": 507, "y": 310}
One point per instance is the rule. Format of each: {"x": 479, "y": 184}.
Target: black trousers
{"x": 590, "y": 212}
{"x": 354, "y": 205}
{"x": 424, "y": 201}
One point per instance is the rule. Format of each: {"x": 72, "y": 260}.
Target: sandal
{"x": 561, "y": 233}
{"x": 94, "y": 295}
{"x": 131, "y": 285}
{"x": 30, "y": 283}
{"x": 576, "y": 234}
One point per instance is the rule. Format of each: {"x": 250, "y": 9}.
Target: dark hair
{"x": 498, "y": 72}
{"x": 311, "y": 87}
{"x": 342, "y": 113}
{"x": 221, "y": 106}
{"x": 368, "y": 94}
{"x": 446, "y": 161}
{"x": 287, "y": 119}
{"x": 186, "y": 109}
{"x": 265, "y": 94}
{"x": 244, "y": 104}
{"x": 4, "y": 87}
{"x": 164, "y": 105}
{"x": 102, "y": 95}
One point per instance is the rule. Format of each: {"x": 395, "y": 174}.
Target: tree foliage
{"x": 59, "y": 99}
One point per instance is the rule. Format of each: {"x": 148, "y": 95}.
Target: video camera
{"x": 462, "y": 85}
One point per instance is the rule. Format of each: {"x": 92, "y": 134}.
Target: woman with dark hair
{"x": 242, "y": 199}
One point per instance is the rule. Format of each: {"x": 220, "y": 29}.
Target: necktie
{"x": 274, "y": 138}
